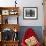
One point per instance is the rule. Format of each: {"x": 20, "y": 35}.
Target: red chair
{"x": 29, "y": 33}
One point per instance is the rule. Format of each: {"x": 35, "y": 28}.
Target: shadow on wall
{"x": 37, "y": 29}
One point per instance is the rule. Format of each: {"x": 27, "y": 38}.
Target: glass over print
{"x": 30, "y": 13}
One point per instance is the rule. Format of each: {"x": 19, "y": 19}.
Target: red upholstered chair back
{"x": 29, "y": 33}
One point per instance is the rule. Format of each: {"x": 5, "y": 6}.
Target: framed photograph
{"x": 5, "y": 12}
{"x": 30, "y": 13}
{"x": 13, "y": 12}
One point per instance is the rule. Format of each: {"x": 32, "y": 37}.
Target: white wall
{"x": 7, "y": 3}
{"x": 26, "y": 3}
{"x": 32, "y": 3}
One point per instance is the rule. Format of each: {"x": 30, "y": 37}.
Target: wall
{"x": 31, "y": 3}
{"x": 27, "y": 3}
{"x": 7, "y": 3}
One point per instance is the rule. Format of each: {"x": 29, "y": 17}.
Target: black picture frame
{"x": 30, "y": 13}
